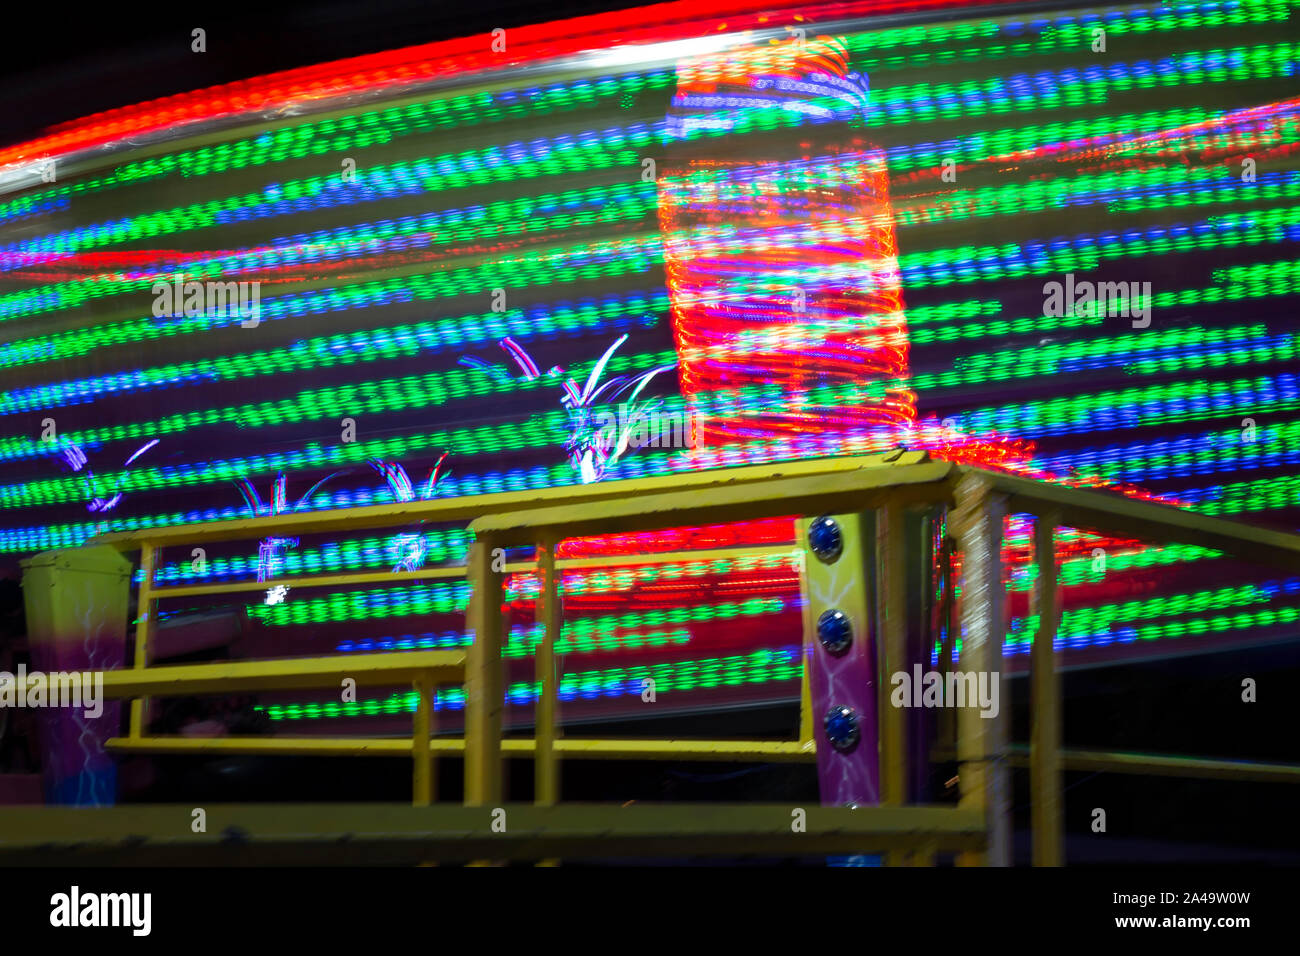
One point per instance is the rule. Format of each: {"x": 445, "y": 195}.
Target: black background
{"x": 59, "y": 64}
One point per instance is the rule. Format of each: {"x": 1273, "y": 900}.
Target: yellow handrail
{"x": 423, "y": 669}
{"x": 543, "y": 518}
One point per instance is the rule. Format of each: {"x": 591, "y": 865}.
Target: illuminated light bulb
{"x": 825, "y": 539}
{"x": 835, "y": 631}
{"x": 842, "y": 728}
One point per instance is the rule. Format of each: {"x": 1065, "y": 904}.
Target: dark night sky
{"x": 58, "y": 65}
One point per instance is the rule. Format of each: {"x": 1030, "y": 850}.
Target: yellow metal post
{"x": 423, "y": 756}
{"x": 1046, "y": 810}
{"x": 892, "y": 652}
{"x": 946, "y": 724}
{"x": 484, "y": 691}
{"x": 807, "y": 728}
{"x": 981, "y": 739}
{"x": 891, "y": 655}
{"x": 547, "y": 767}
{"x": 143, "y": 633}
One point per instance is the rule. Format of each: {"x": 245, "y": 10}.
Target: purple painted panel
{"x": 848, "y": 678}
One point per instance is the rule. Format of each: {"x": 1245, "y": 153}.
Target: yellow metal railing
{"x": 150, "y": 543}
{"x": 424, "y": 670}
{"x": 977, "y": 500}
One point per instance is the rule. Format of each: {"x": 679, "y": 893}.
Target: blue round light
{"x": 842, "y": 728}
{"x": 835, "y": 631}
{"x": 825, "y": 538}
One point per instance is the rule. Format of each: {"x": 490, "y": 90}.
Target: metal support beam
{"x": 982, "y": 740}
{"x": 313, "y": 834}
{"x": 743, "y": 751}
{"x": 807, "y": 726}
{"x": 1109, "y": 513}
{"x": 423, "y": 756}
{"x": 950, "y": 625}
{"x": 911, "y": 480}
{"x": 1176, "y": 765}
{"x": 286, "y": 673}
{"x": 484, "y": 684}
{"x": 546, "y": 762}
{"x": 468, "y": 507}
{"x": 891, "y": 658}
{"x": 892, "y": 651}
{"x": 1045, "y": 734}
{"x": 144, "y": 625}
{"x": 546, "y": 768}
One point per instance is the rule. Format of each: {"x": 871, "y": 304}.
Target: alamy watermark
{"x": 241, "y": 300}
{"x": 84, "y": 689}
{"x": 1085, "y": 297}
{"x": 133, "y": 911}
{"x": 954, "y": 689}
{"x": 646, "y": 428}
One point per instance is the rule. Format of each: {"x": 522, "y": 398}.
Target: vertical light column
{"x": 780, "y": 254}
